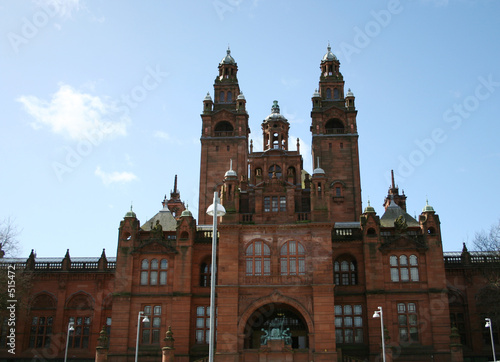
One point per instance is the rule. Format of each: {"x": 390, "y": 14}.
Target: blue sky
{"x": 101, "y": 104}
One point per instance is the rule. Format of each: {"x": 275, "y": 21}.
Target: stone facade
{"x": 298, "y": 260}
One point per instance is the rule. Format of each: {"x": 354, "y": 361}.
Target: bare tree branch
{"x": 9, "y": 242}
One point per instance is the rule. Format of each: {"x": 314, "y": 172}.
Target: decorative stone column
{"x": 168, "y": 351}
{"x": 455, "y": 346}
{"x": 101, "y": 351}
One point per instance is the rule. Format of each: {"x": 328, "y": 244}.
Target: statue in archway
{"x": 276, "y": 331}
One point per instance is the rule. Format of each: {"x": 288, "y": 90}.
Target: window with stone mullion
{"x": 40, "y": 331}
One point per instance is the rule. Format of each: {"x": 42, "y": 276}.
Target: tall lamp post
{"x": 379, "y": 314}
{"x": 215, "y": 210}
{"x": 144, "y": 320}
{"x": 70, "y": 329}
{"x": 488, "y": 325}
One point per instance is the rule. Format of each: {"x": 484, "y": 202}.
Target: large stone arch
{"x": 265, "y": 306}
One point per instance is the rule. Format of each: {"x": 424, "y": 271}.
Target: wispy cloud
{"x": 163, "y": 135}
{"x": 109, "y": 178}
{"x": 76, "y": 115}
{"x": 61, "y": 8}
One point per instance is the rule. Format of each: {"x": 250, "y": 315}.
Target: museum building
{"x": 301, "y": 267}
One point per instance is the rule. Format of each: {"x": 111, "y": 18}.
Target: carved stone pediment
{"x": 403, "y": 242}
{"x": 155, "y": 246}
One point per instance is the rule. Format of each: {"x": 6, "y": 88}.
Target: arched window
{"x": 43, "y": 310}
{"x": 292, "y": 259}
{"x": 229, "y": 98}
{"x": 258, "y": 259}
{"x": 403, "y": 271}
{"x": 334, "y": 126}
{"x": 223, "y": 129}
{"x": 328, "y": 93}
{"x": 221, "y": 96}
{"x": 205, "y": 274}
{"x": 345, "y": 271}
{"x": 80, "y": 309}
{"x": 336, "y": 94}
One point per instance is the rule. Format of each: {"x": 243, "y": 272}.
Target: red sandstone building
{"x": 297, "y": 254}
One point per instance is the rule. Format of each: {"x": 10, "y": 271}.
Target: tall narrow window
{"x": 202, "y": 330}
{"x": 348, "y": 324}
{"x": 258, "y": 259}
{"x": 205, "y": 274}
{"x": 153, "y": 274}
{"x": 41, "y": 332}
{"x": 221, "y": 97}
{"x": 407, "y": 322}
{"x": 336, "y": 94}
{"x": 229, "y": 97}
{"x": 282, "y": 203}
{"x": 267, "y": 204}
{"x": 79, "y": 338}
{"x": 274, "y": 204}
{"x": 163, "y": 271}
{"x": 144, "y": 272}
{"x": 328, "y": 93}
{"x": 292, "y": 259}
{"x": 151, "y": 329}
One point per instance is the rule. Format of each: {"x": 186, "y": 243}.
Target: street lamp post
{"x": 379, "y": 314}
{"x": 144, "y": 320}
{"x": 70, "y": 328}
{"x": 215, "y": 210}
{"x": 489, "y": 325}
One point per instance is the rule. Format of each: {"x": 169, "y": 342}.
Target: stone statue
{"x": 275, "y": 331}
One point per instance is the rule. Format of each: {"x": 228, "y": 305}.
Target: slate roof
{"x": 392, "y": 213}
{"x": 167, "y": 221}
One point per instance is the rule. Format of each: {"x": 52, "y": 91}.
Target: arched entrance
{"x": 269, "y": 320}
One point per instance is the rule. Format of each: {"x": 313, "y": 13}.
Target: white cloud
{"x": 108, "y": 178}
{"x": 76, "y": 115}
{"x": 62, "y": 8}
{"x": 163, "y": 135}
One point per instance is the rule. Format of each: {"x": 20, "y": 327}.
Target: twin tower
{"x": 270, "y": 186}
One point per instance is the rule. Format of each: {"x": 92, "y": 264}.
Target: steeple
{"x": 174, "y": 204}
{"x": 393, "y": 194}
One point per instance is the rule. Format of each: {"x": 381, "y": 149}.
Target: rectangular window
{"x": 79, "y": 337}
{"x": 348, "y": 324}
{"x": 202, "y": 327}
{"x": 275, "y": 203}
{"x": 151, "y": 329}
{"x": 414, "y": 274}
{"x": 163, "y": 278}
{"x": 249, "y": 268}
{"x": 144, "y": 278}
{"x": 267, "y": 204}
{"x": 282, "y": 203}
{"x": 404, "y": 275}
{"x": 40, "y": 332}
{"x": 153, "y": 278}
{"x": 338, "y": 192}
{"x": 394, "y": 274}
{"x": 407, "y": 321}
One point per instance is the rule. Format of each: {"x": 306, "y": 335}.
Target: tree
{"x": 14, "y": 280}
{"x": 488, "y": 298}
{"x": 9, "y": 242}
